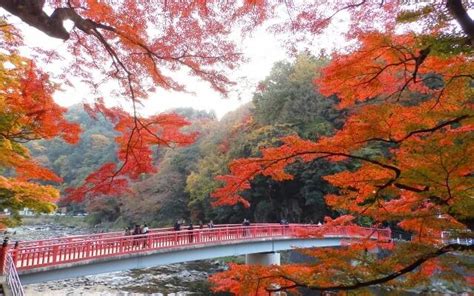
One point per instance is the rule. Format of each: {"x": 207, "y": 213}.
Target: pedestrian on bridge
{"x": 136, "y": 232}
{"x": 210, "y": 224}
{"x": 145, "y": 229}
{"x": 191, "y": 232}
{"x": 246, "y": 224}
{"x": 177, "y": 226}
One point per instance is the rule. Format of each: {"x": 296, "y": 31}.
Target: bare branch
{"x": 421, "y": 131}
{"x": 409, "y": 268}
{"x": 462, "y": 17}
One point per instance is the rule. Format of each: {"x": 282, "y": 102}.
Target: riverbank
{"x": 182, "y": 279}
{"x": 42, "y": 227}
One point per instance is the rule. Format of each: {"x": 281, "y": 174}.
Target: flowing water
{"x": 180, "y": 279}
{"x": 175, "y": 279}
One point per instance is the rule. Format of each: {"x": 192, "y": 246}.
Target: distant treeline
{"x": 285, "y": 103}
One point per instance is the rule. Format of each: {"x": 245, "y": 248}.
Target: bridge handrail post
{"x": 122, "y": 245}
{"x": 55, "y": 253}
{"x": 3, "y": 256}
{"x": 149, "y": 240}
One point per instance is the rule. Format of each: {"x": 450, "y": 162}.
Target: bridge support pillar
{"x": 272, "y": 258}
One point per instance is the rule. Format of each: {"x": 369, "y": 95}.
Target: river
{"x": 175, "y": 279}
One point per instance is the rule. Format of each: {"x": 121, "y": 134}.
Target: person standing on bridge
{"x": 246, "y": 225}
{"x": 145, "y": 229}
{"x": 136, "y": 231}
{"x": 210, "y": 224}
{"x": 191, "y": 232}
{"x": 177, "y": 226}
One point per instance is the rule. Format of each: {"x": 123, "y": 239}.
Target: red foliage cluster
{"x": 137, "y": 137}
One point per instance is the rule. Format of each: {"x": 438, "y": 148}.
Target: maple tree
{"x": 27, "y": 112}
{"x": 409, "y": 92}
{"x": 137, "y": 44}
{"x": 409, "y": 95}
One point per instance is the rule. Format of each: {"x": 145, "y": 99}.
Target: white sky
{"x": 261, "y": 51}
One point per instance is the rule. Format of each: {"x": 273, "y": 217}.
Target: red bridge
{"x": 57, "y": 258}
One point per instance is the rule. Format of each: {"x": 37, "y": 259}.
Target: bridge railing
{"x": 95, "y": 236}
{"x": 457, "y": 237}
{"x": 13, "y": 280}
{"x": 35, "y": 256}
{"x": 27, "y": 257}
{"x": 352, "y": 231}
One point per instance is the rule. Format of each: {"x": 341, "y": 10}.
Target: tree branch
{"x": 421, "y": 131}
{"x": 460, "y": 15}
{"x": 383, "y": 279}
{"x": 31, "y": 12}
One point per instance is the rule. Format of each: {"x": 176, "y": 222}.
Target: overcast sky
{"x": 261, "y": 51}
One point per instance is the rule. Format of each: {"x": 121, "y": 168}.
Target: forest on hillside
{"x": 377, "y": 129}
{"x": 286, "y": 103}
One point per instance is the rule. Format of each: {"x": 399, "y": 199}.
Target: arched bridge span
{"x": 52, "y": 259}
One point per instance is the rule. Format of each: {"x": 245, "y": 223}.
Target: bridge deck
{"x": 32, "y": 255}
{"x": 185, "y": 253}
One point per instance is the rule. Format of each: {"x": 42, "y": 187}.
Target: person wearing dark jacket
{"x": 246, "y": 225}
{"x": 177, "y": 226}
{"x": 191, "y": 232}
{"x": 136, "y": 231}
{"x": 210, "y": 224}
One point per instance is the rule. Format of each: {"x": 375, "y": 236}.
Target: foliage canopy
{"x": 405, "y": 83}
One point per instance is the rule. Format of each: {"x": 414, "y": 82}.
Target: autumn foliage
{"x": 409, "y": 96}
{"x": 27, "y": 112}
{"x": 136, "y": 138}
{"x": 126, "y": 51}
{"x": 405, "y": 80}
